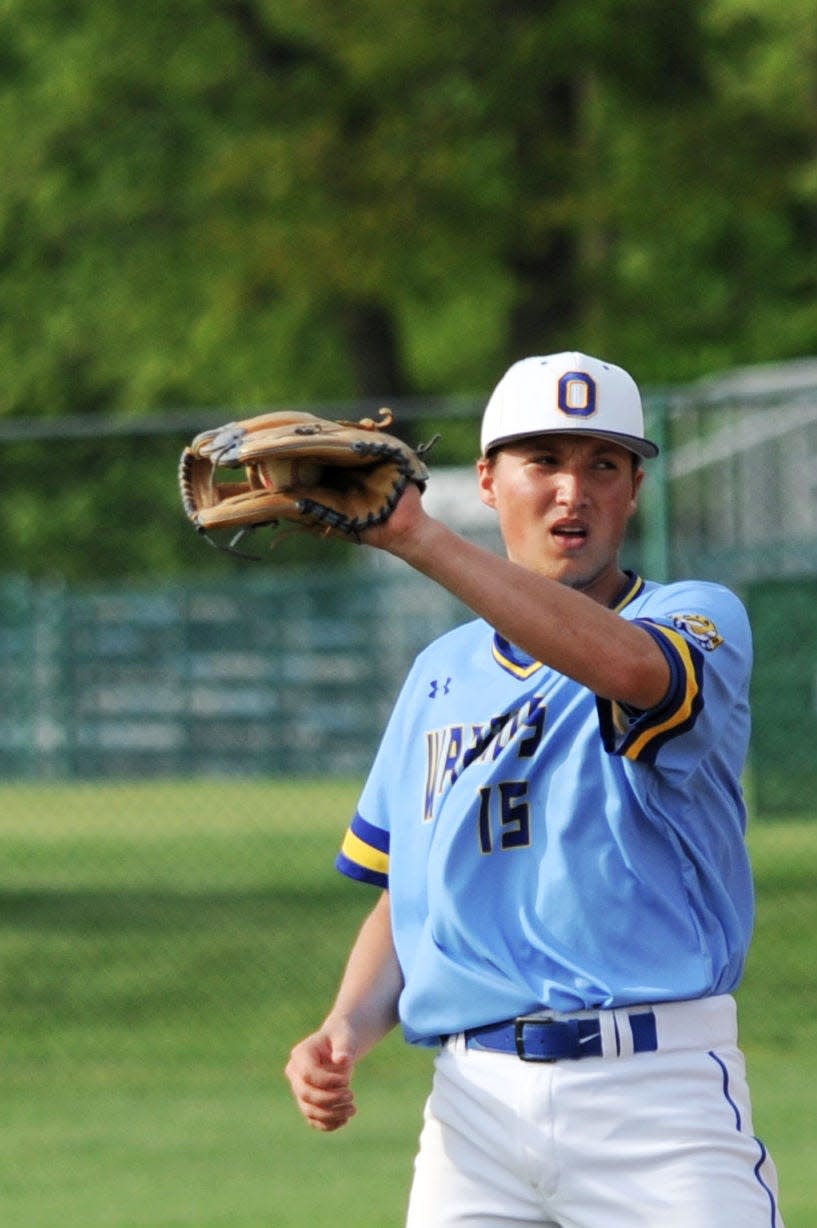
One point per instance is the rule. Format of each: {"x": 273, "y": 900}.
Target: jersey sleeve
{"x": 703, "y": 631}
{"x": 364, "y": 853}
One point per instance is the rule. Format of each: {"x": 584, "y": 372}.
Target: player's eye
{"x": 608, "y": 463}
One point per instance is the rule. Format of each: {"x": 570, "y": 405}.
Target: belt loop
{"x": 626, "y": 1044}
{"x": 609, "y": 1034}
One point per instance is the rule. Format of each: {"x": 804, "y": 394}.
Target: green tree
{"x": 228, "y": 201}
{"x": 235, "y": 204}
{"x": 711, "y": 204}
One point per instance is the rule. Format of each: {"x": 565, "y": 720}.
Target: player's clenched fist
{"x": 320, "y": 1074}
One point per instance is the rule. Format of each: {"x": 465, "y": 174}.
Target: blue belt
{"x": 540, "y": 1039}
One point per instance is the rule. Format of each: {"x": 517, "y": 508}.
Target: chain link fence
{"x": 283, "y": 674}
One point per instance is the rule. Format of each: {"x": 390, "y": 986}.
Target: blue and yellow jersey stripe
{"x": 364, "y": 854}
{"x": 634, "y": 586}
{"x": 640, "y": 736}
{"x": 513, "y": 659}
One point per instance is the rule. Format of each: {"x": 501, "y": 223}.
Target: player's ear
{"x": 638, "y": 478}
{"x": 486, "y": 466}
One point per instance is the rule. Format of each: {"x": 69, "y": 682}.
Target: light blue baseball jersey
{"x": 546, "y": 848}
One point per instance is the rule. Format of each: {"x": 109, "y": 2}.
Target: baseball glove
{"x": 331, "y": 478}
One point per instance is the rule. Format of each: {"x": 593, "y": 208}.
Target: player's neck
{"x": 605, "y": 588}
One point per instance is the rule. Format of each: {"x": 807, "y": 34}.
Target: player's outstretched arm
{"x": 555, "y": 624}
{"x": 321, "y": 1066}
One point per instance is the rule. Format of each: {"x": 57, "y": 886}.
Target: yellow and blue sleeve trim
{"x": 364, "y": 854}
{"x": 640, "y": 735}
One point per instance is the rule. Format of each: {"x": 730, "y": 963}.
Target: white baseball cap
{"x": 567, "y": 392}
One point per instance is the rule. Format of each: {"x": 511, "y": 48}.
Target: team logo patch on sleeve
{"x": 702, "y": 630}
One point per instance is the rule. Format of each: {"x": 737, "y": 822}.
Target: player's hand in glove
{"x": 326, "y": 477}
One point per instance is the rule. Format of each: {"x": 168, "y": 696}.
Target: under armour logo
{"x": 439, "y": 688}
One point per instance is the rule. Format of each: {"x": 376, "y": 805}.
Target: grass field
{"x": 163, "y": 945}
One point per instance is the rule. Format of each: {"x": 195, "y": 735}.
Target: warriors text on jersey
{"x": 544, "y": 848}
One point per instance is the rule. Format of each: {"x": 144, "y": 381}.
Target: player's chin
{"x": 568, "y": 568}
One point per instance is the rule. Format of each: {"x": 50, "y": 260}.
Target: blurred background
{"x": 214, "y": 208}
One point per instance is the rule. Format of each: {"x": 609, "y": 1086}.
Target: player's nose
{"x": 570, "y": 491}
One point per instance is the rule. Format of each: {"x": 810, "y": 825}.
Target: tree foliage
{"x": 245, "y": 203}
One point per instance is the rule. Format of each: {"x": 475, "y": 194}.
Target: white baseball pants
{"x": 650, "y": 1140}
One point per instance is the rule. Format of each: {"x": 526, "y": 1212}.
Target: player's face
{"x": 564, "y": 502}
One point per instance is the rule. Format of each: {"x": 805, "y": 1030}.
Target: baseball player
{"x": 555, "y": 822}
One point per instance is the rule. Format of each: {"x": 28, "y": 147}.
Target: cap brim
{"x": 642, "y": 447}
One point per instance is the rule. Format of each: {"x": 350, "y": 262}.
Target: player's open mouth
{"x": 570, "y": 534}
